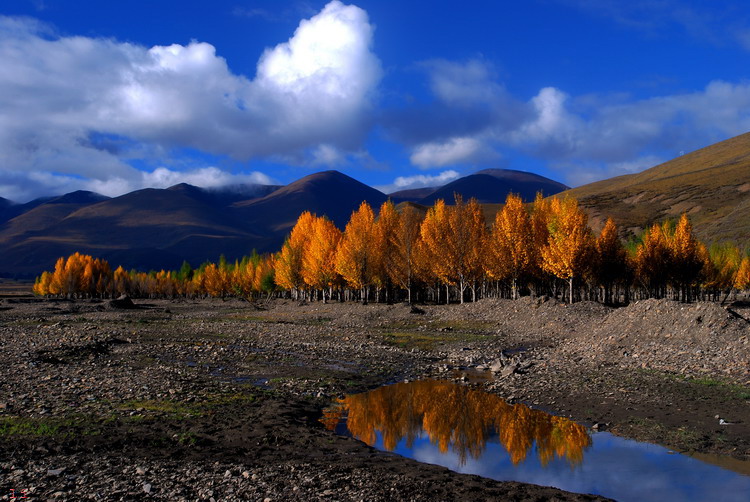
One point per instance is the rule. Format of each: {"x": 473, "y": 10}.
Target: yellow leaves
{"x": 510, "y": 248}
{"x": 675, "y": 257}
{"x": 289, "y": 261}
{"x": 402, "y": 263}
{"x": 318, "y": 260}
{"x": 449, "y": 245}
{"x": 454, "y": 238}
{"x": 77, "y": 275}
{"x": 356, "y": 257}
{"x": 742, "y": 281}
{"x": 385, "y": 250}
{"x": 569, "y": 242}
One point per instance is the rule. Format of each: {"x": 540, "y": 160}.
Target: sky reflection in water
{"x": 474, "y": 432}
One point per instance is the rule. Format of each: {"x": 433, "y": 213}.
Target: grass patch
{"x": 31, "y": 427}
{"x": 50, "y": 427}
{"x": 187, "y": 438}
{"x": 428, "y": 341}
{"x": 731, "y": 390}
{"x": 685, "y": 438}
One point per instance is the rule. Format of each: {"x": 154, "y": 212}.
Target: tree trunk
{"x": 570, "y": 288}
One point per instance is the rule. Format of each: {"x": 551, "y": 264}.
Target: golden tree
{"x": 726, "y": 259}
{"x": 356, "y": 258}
{"x": 42, "y": 284}
{"x": 215, "y": 280}
{"x": 289, "y": 260}
{"x": 471, "y": 231}
{"x": 434, "y": 258}
{"x": 319, "y": 259}
{"x": 654, "y": 259}
{"x": 742, "y": 279}
{"x": 401, "y": 264}
{"x": 384, "y": 244}
{"x": 610, "y": 261}
{"x": 510, "y": 247}
{"x": 540, "y": 216}
{"x": 568, "y": 250}
{"x": 688, "y": 259}
{"x": 454, "y": 238}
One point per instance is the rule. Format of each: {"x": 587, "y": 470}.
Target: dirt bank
{"x": 202, "y": 399}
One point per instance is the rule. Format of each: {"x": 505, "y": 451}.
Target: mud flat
{"x": 186, "y": 400}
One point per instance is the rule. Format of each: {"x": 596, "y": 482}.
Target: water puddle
{"x": 470, "y": 431}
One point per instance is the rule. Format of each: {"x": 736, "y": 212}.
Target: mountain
{"x": 42, "y": 214}
{"x": 224, "y": 196}
{"x": 411, "y": 195}
{"x": 711, "y": 185}
{"x": 328, "y": 193}
{"x": 491, "y": 186}
{"x": 159, "y": 228}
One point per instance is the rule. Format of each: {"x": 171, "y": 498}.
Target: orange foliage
{"x": 568, "y": 250}
{"x": 459, "y": 418}
{"x": 356, "y": 257}
{"x": 319, "y": 259}
{"x": 510, "y": 246}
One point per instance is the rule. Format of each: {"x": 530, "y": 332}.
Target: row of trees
{"x": 544, "y": 250}
{"x": 84, "y": 276}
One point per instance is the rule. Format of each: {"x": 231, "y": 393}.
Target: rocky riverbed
{"x": 221, "y": 400}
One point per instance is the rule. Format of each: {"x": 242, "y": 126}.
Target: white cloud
{"x": 56, "y": 92}
{"x": 464, "y": 83}
{"x": 327, "y": 155}
{"x": 25, "y": 186}
{"x": 451, "y": 152}
{"x": 419, "y": 181}
{"x": 585, "y": 138}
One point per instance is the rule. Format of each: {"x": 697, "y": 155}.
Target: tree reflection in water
{"x": 458, "y": 417}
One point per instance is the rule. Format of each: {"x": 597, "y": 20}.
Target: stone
{"x": 496, "y": 367}
{"x": 122, "y": 302}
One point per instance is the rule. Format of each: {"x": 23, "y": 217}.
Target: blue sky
{"x": 116, "y": 96}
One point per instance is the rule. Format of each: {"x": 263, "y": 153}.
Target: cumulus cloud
{"x": 451, "y": 152}
{"x": 419, "y": 181}
{"x": 586, "y": 138}
{"x": 56, "y": 92}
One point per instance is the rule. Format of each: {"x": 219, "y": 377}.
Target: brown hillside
{"x": 712, "y": 185}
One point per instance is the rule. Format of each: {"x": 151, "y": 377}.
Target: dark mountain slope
{"x": 493, "y": 185}
{"x": 328, "y": 193}
{"x": 411, "y": 195}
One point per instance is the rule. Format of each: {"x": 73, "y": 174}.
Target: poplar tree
{"x": 402, "y": 266}
{"x": 289, "y": 260}
{"x": 356, "y": 259}
{"x": 510, "y": 250}
{"x": 319, "y": 258}
{"x": 610, "y": 263}
{"x": 569, "y": 244}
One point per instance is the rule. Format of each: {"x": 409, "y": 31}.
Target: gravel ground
{"x": 201, "y": 400}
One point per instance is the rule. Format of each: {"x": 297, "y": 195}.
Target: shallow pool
{"x": 474, "y": 432}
